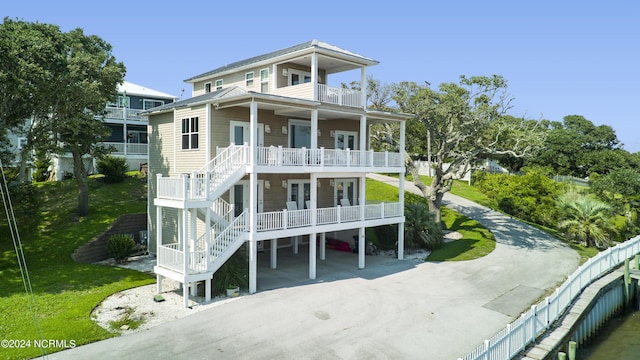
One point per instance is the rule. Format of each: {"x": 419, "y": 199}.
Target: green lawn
{"x": 64, "y": 292}
{"x": 476, "y": 242}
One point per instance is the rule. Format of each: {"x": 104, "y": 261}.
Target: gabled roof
{"x": 218, "y": 94}
{"x": 139, "y": 90}
{"x": 316, "y": 45}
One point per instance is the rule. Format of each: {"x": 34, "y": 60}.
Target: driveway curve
{"x": 395, "y": 310}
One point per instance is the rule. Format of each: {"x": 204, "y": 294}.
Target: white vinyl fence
{"x": 515, "y": 337}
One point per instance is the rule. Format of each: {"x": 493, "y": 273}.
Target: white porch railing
{"x": 132, "y": 148}
{"x": 170, "y": 256}
{"x": 515, "y": 337}
{"x": 289, "y": 219}
{"x": 119, "y": 113}
{"x": 339, "y": 96}
{"x": 279, "y": 156}
{"x": 197, "y": 185}
{"x": 226, "y": 238}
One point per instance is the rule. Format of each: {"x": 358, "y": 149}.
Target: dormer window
{"x": 207, "y": 87}
{"x": 218, "y": 84}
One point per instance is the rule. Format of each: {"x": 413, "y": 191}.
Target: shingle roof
{"x": 218, "y": 94}
{"x": 277, "y": 53}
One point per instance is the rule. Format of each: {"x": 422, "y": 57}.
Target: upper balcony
{"x": 323, "y": 93}
{"x": 119, "y": 113}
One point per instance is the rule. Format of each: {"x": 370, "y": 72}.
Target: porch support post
{"x": 314, "y": 78}
{"x": 323, "y": 245}
{"x": 274, "y": 253}
{"x": 363, "y": 86}
{"x": 361, "y": 248}
{"x": 314, "y": 128}
{"x": 207, "y": 138}
{"x": 158, "y": 243}
{"x": 312, "y": 255}
{"x": 185, "y": 251}
{"x": 207, "y": 289}
{"x": 194, "y": 246}
{"x": 253, "y": 200}
{"x": 363, "y": 139}
{"x": 401, "y": 194}
{"x": 296, "y": 241}
{"x": 207, "y": 237}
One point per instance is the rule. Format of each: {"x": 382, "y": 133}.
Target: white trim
{"x": 345, "y": 181}
{"x": 247, "y": 195}
{"x": 300, "y": 182}
{"x": 216, "y": 86}
{"x": 210, "y": 87}
{"x": 144, "y": 102}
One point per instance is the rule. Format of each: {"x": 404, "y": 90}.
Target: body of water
{"x": 619, "y": 339}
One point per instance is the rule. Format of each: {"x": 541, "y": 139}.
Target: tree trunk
{"x": 83, "y": 184}
{"x": 435, "y": 203}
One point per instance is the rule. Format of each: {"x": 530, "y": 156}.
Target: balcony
{"x": 279, "y": 156}
{"x": 132, "y": 148}
{"x": 118, "y": 113}
{"x": 325, "y": 94}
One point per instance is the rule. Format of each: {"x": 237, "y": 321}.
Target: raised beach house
{"x": 266, "y": 153}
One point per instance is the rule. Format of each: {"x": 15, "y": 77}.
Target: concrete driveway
{"x": 390, "y": 310}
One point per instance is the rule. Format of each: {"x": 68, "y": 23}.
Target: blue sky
{"x": 559, "y": 57}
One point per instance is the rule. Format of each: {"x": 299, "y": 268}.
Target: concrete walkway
{"x": 390, "y": 310}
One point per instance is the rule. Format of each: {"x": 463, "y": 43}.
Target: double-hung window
{"x": 248, "y": 78}
{"x": 190, "y": 133}
{"x": 218, "y": 84}
{"x": 264, "y": 80}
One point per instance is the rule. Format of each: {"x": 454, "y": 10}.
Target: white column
{"x": 207, "y": 290}
{"x": 207, "y": 236}
{"x": 323, "y": 245}
{"x": 363, "y": 86}
{"x": 312, "y": 255}
{"x": 253, "y": 200}
{"x": 363, "y": 139}
{"x": 314, "y": 77}
{"x": 361, "y": 244}
{"x": 314, "y": 129}
{"x": 194, "y": 241}
{"x": 401, "y": 193}
{"x": 185, "y": 250}
{"x": 274, "y": 253}
{"x": 158, "y": 242}
{"x": 207, "y": 135}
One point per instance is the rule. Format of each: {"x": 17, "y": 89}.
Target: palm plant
{"x": 421, "y": 229}
{"x": 585, "y": 220}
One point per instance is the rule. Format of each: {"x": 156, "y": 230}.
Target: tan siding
{"x": 161, "y": 147}
{"x": 188, "y": 160}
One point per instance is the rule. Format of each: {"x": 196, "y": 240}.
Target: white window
{"x": 218, "y": 84}
{"x": 151, "y": 103}
{"x": 207, "y": 87}
{"x": 22, "y": 142}
{"x": 239, "y": 133}
{"x": 120, "y": 102}
{"x": 297, "y": 77}
{"x": 264, "y": 80}
{"x": 346, "y": 140}
{"x": 190, "y": 133}
{"x": 299, "y": 191}
{"x": 248, "y": 79}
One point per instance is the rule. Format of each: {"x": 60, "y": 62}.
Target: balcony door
{"x": 240, "y": 197}
{"x": 344, "y": 190}
{"x": 299, "y": 192}
{"x": 346, "y": 140}
{"x": 239, "y": 133}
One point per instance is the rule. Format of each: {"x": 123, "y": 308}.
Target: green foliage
{"x": 66, "y": 292}
{"x": 421, "y": 229}
{"x": 476, "y": 240}
{"x": 384, "y": 237}
{"x": 530, "y": 197}
{"x": 41, "y": 164}
{"x": 234, "y": 272}
{"x": 113, "y": 168}
{"x": 586, "y": 220}
{"x": 120, "y": 246}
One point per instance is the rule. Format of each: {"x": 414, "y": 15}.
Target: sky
{"x": 559, "y": 57}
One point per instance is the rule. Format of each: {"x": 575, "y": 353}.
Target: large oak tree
{"x": 63, "y": 88}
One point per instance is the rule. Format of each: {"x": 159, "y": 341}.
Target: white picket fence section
{"x": 515, "y": 337}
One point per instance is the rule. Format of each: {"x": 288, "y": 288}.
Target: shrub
{"x": 42, "y": 164}
{"x": 421, "y": 230}
{"x": 113, "y": 168}
{"x": 234, "y": 272}
{"x": 120, "y": 246}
